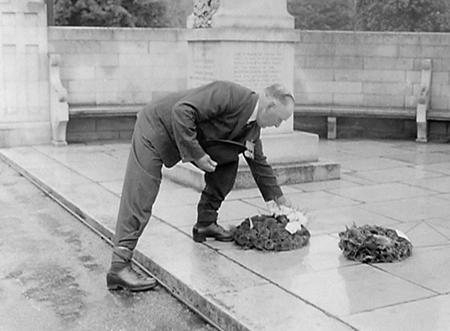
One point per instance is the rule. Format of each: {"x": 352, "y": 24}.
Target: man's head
{"x": 276, "y": 104}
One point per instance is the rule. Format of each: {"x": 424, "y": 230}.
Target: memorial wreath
{"x": 374, "y": 244}
{"x": 283, "y": 230}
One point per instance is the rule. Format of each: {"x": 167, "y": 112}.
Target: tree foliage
{"x": 403, "y": 15}
{"x": 111, "y": 13}
{"x": 323, "y": 14}
{"x": 364, "y": 15}
{"x": 372, "y": 15}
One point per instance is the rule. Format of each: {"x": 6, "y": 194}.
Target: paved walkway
{"x": 399, "y": 184}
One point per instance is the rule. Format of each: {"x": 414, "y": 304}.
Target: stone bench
{"x": 104, "y": 110}
{"x": 101, "y": 122}
{"x": 421, "y": 113}
{"x": 331, "y": 113}
{"x": 93, "y": 122}
{"x": 59, "y": 108}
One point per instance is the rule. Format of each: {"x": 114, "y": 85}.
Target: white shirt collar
{"x": 254, "y": 114}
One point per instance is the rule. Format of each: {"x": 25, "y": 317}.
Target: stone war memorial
{"x": 252, "y": 43}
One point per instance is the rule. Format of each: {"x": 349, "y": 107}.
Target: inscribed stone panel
{"x": 257, "y": 69}
{"x": 255, "y": 65}
{"x": 252, "y": 64}
{"x": 202, "y": 64}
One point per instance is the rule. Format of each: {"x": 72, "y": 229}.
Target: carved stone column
{"x": 24, "y": 86}
{"x": 240, "y": 14}
{"x": 202, "y": 14}
{"x": 253, "y": 14}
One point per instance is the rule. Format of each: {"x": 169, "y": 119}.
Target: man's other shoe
{"x": 128, "y": 279}
{"x": 213, "y": 230}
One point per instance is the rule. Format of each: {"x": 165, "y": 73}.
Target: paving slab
{"x": 389, "y": 183}
{"x": 427, "y": 314}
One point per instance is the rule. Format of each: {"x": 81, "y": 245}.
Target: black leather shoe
{"x": 129, "y": 279}
{"x": 211, "y": 231}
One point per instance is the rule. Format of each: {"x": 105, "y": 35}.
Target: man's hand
{"x": 206, "y": 163}
{"x": 283, "y": 201}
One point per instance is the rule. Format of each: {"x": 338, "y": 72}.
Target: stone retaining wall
{"x": 114, "y": 66}
{"x": 109, "y": 65}
{"x": 370, "y": 69}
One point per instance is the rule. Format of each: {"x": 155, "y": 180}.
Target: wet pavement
{"x": 52, "y": 272}
{"x": 398, "y": 184}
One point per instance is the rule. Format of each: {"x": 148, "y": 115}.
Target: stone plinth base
{"x": 188, "y": 175}
{"x": 293, "y": 147}
{"x": 293, "y": 156}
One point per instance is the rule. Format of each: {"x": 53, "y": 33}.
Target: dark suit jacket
{"x": 179, "y": 124}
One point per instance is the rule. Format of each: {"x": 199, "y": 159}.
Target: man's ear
{"x": 271, "y": 104}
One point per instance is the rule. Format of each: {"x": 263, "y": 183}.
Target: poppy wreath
{"x": 268, "y": 233}
{"x": 374, "y": 244}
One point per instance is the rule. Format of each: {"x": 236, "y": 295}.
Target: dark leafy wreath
{"x": 373, "y": 244}
{"x": 264, "y": 232}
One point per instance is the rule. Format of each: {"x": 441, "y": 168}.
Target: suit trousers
{"x": 141, "y": 186}
{"x": 140, "y": 189}
{"x": 218, "y": 184}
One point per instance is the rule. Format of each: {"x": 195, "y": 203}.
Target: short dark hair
{"x": 279, "y": 92}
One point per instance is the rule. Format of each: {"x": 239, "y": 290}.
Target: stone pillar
{"x": 270, "y": 14}
{"x": 240, "y": 14}
{"x": 254, "y": 58}
{"x": 24, "y": 87}
{"x": 252, "y": 42}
